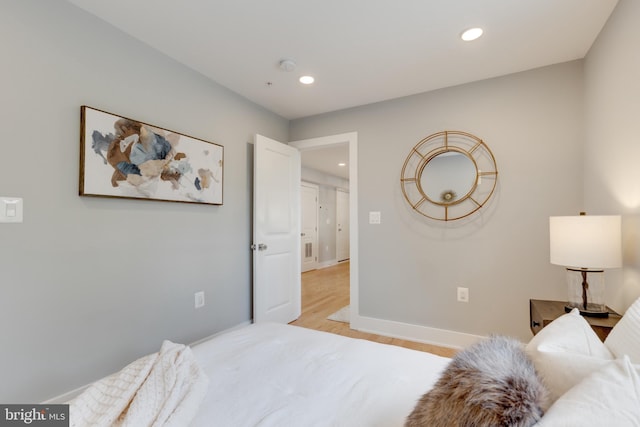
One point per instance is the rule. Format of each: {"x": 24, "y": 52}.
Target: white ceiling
{"x": 360, "y": 51}
{"x": 327, "y": 160}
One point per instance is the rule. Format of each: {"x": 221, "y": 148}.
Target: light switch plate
{"x": 199, "y": 299}
{"x": 10, "y": 209}
{"x": 375, "y": 218}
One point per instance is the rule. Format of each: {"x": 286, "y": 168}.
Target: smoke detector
{"x": 287, "y": 65}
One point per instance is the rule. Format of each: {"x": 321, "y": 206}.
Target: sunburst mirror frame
{"x": 449, "y": 208}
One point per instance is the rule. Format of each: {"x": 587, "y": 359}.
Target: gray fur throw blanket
{"x": 492, "y": 383}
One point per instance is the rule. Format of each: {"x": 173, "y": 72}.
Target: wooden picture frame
{"x": 126, "y": 158}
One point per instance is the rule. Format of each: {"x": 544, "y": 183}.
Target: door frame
{"x": 338, "y": 216}
{"x": 350, "y": 138}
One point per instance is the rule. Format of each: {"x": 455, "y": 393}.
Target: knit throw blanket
{"x": 161, "y": 389}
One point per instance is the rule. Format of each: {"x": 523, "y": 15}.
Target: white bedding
{"x": 160, "y": 389}
{"x": 281, "y": 375}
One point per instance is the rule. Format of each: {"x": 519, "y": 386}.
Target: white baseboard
{"x": 70, "y": 395}
{"x": 406, "y": 331}
{"x": 233, "y": 328}
{"x": 329, "y": 263}
{"x": 66, "y": 397}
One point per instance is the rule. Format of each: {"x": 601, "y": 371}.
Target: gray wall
{"x": 89, "y": 284}
{"x": 612, "y": 148}
{"x": 533, "y": 123}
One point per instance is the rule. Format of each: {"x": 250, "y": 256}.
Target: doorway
{"x": 350, "y": 139}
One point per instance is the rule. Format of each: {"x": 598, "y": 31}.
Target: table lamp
{"x": 586, "y": 245}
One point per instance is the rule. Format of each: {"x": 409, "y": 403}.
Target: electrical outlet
{"x": 199, "y": 299}
{"x": 10, "y": 209}
{"x": 463, "y": 294}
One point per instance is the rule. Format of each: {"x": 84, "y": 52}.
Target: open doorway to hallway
{"x": 325, "y": 144}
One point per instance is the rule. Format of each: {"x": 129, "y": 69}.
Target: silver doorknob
{"x": 260, "y": 247}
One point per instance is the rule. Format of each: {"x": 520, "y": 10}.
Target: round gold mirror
{"x": 449, "y": 175}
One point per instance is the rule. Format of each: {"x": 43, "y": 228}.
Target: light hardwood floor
{"x": 325, "y": 291}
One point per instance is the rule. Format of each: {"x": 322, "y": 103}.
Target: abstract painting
{"x": 121, "y": 157}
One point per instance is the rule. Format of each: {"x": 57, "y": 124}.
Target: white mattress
{"x": 282, "y": 375}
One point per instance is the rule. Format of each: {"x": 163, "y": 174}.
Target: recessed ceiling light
{"x": 471, "y": 34}
{"x": 306, "y": 80}
{"x": 342, "y": 164}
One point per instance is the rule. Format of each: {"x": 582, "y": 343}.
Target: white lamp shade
{"x": 592, "y": 242}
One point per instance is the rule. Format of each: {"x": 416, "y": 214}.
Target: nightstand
{"x": 542, "y": 312}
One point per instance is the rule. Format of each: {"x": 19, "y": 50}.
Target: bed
{"x": 281, "y": 375}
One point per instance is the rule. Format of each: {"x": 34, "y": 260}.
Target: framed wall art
{"x": 126, "y": 158}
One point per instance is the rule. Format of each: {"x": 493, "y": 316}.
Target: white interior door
{"x": 309, "y": 234}
{"x": 342, "y": 225}
{"x": 276, "y": 231}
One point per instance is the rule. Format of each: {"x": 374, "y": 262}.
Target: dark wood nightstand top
{"x": 543, "y": 312}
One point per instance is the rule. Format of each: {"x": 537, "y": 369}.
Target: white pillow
{"x": 624, "y": 338}
{"x": 565, "y": 352}
{"x": 608, "y": 397}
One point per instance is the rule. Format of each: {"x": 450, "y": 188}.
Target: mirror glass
{"x": 448, "y": 177}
